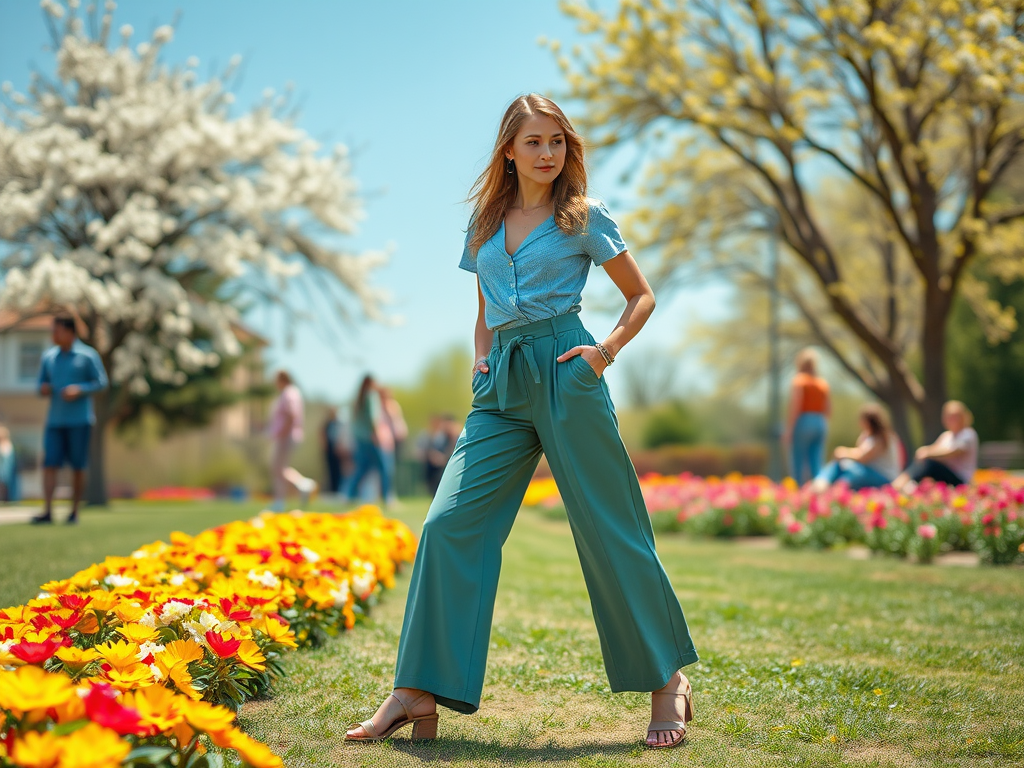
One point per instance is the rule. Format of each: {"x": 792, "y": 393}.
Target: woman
{"x": 809, "y": 409}
{"x": 367, "y": 431}
{"x": 874, "y": 462}
{"x": 952, "y": 459}
{"x": 286, "y": 432}
{"x": 538, "y": 387}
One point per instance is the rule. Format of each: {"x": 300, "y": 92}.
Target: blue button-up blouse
{"x": 546, "y": 274}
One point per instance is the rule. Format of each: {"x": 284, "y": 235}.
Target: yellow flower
{"x": 103, "y": 601}
{"x": 137, "y": 633}
{"x": 279, "y": 632}
{"x": 76, "y": 658}
{"x": 129, "y": 613}
{"x": 253, "y": 752}
{"x": 251, "y": 655}
{"x": 207, "y": 717}
{"x": 37, "y": 750}
{"x": 94, "y": 747}
{"x": 179, "y": 651}
{"x": 30, "y": 688}
{"x": 179, "y": 675}
{"x": 126, "y": 678}
{"x": 157, "y": 706}
{"x": 796, "y": 662}
{"x": 119, "y": 653}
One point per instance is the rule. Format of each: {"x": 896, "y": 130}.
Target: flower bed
{"x": 986, "y": 517}
{"x": 145, "y": 659}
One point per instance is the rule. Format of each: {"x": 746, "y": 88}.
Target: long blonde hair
{"x": 494, "y": 192}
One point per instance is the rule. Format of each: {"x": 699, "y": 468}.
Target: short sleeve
{"x": 468, "y": 262}
{"x": 602, "y": 240}
{"x": 966, "y": 440}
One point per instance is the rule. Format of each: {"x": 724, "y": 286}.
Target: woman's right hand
{"x": 481, "y": 366}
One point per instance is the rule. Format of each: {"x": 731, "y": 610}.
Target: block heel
{"x": 425, "y": 729}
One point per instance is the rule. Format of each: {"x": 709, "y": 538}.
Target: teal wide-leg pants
{"x": 527, "y": 404}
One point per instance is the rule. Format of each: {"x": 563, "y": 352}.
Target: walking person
{"x": 953, "y": 457}
{"x": 809, "y": 410}
{"x": 367, "y": 434}
{"x": 875, "y": 461}
{"x": 538, "y": 387}
{"x": 331, "y": 449}
{"x": 70, "y": 373}
{"x": 286, "y": 432}
{"x": 9, "y": 490}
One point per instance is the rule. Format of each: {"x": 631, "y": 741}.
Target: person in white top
{"x": 875, "y": 461}
{"x": 952, "y": 459}
{"x": 286, "y": 431}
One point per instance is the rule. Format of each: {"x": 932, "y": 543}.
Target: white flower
{"x": 116, "y": 580}
{"x": 266, "y": 578}
{"x": 174, "y": 610}
{"x": 158, "y": 675}
{"x": 148, "y": 619}
{"x": 309, "y": 555}
{"x": 178, "y": 579}
{"x": 340, "y": 594}
{"x": 149, "y": 648}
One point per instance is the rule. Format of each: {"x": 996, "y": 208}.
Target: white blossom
{"x": 114, "y": 204}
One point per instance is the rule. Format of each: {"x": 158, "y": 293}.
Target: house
{"x": 149, "y": 459}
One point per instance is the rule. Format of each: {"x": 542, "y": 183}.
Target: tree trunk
{"x": 933, "y": 353}
{"x": 96, "y": 477}
{"x": 899, "y": 414}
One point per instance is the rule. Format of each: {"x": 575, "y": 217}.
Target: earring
{"x": 510, "y": 166}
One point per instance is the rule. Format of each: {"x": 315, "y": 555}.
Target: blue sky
{"x": 416, "y": 91}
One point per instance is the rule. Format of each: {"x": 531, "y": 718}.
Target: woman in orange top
{"x": 809, "y": 410}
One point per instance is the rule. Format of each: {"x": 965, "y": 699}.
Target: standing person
{"x": 809, "y": 409}
{"x": 367, "y": 433}
{"x": 330, "y": 448}
{"x": 71, "y": 372}
{"x": 952, "y": 459}
{"x": 9, "y": 490}
{"x": 395, "y": 432}
{"x": 286, "y": 432}
{"x": 538, "y": 387}
{"x": 875, "y": 460}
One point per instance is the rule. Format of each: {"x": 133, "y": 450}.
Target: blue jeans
{"x": 808, "y": 447}
{"x": 855, "y": 474}
{"x": 368, "y": 457}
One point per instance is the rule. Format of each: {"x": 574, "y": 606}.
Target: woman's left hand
{"x": 588, "y": 353}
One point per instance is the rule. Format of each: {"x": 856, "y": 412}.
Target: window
{"x": 30, "y": 355}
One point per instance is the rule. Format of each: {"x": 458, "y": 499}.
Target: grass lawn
{"x": 808, "y": 658}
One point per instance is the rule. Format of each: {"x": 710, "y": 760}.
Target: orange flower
{"x": 76, "y": 659}
{"x": 157, "y": 706}
{"x": 137, "y": 633}
{"x": 89, "y": 625}
{"x": 278, "y": 631}
{"x": 104, "y": 601}
{"x": 129, "y": 613}
{"x": 180, "y": 650}
{"x": 253, "y": 752}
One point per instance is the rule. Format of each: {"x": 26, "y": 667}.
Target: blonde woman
{"x": 809, "y": 409}
{"x": 538, "y": 386}
{"x": 952, "y": 459}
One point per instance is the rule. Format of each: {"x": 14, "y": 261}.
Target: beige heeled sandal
{"x": 678, "y": 726}
{"x": 424, "y": 727}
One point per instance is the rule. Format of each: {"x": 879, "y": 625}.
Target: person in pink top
{"x": 286, "y": 432}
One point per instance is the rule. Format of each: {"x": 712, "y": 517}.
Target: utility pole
{"x": 775, "y": 463}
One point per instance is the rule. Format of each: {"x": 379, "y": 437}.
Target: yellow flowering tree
{"x": 873, "y": 137}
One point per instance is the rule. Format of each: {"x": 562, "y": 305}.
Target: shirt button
{"x": 510, "y": 263}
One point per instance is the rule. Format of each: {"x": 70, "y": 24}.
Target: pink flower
{"x": 794, "y": 527}
{"x": 927, "y": 531}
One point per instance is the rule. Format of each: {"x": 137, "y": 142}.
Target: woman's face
{"x": 539, "y": 149}
{"x": 952, "y": 419}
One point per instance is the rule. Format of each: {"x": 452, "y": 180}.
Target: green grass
{"x": 808, "y": 658}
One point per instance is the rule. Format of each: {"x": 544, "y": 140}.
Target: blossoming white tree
{"x": 132, "y": 194}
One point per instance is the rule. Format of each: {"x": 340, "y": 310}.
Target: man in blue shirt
{"x": 71, "y": 372}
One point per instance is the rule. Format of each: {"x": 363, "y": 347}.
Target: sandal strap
{"x": 667, "y": 725}
{"x": 406, "y": 708}
{"x": 369, "y": 727}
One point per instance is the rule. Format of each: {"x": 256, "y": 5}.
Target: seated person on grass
{"x": 874, "y": 462}
{"x": 952, "y": 459}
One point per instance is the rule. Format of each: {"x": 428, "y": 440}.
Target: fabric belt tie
{"x": 505, "y": 361}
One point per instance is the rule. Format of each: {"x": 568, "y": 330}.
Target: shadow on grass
{"x": 460, "y": 748}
